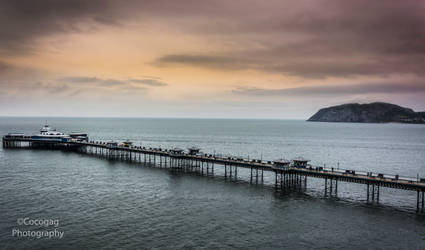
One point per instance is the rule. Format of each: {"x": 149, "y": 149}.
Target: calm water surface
{"x": 103, "y": 204}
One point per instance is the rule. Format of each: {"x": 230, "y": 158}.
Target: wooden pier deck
{"x": 287, "y": 176}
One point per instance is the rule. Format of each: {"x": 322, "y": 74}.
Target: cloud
{"x": 306, "y": 68}
{"x": 57, "y": 89}
{"x": 205, "y": 61}
{"x": 149, "y": 82}
{"x": 22, "y": 22}
{"x": 112, "y": 82}
{"x": 85, "y": 79}
{"x": 318, "y": 39}
{"x": 342, "y": 68}
{"x": 309, "y": 39}
{"x": 336, "y": 90}
{"x": 3, "y": 67}
{"x": 78, "y": 87}
{"x": 37, "y": 87}
{"x": 195, "y": 59}
{"x": 79, "y": 79}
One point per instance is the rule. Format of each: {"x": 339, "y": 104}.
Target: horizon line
{"x": 150, "y": 117}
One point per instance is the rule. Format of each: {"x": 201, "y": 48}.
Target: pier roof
{"x": 282, "y": 161}
{"x": 300, "y": 159}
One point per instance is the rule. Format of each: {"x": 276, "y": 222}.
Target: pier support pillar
{"x": 262, "y": 175}
{"x": 372, "y": 192}
{"x": 377, "y": 193}
{"x": 275, "y": 179}
{"x": 332, "y": 187}
{"x": 326, "y": 186}
{"x": 420, "y": 201}
{"x": 251, "y": 174}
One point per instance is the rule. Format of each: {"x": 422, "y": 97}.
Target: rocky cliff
{"x": 377, "y": 112}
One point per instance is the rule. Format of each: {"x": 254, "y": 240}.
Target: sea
{"x": 102, "y": 204}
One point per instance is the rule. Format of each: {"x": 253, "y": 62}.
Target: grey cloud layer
{"x": 112, "y": 82}
{"x": 319, "y": 39}
{"x": 23, "y": 21}
{"x": 337, "y": 90}
{"x": 205, "y": 61}
{"x": 312, "y": 39}
{"x": 76, "y": 85}
{"x": 149, "y": 82}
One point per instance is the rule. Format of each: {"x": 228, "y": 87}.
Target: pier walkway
{"x": 288, "y": 174}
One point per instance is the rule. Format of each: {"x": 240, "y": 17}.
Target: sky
{"x": 208, "y": 59}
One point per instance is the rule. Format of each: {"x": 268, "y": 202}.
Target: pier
{"x": 288, "y": 174}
